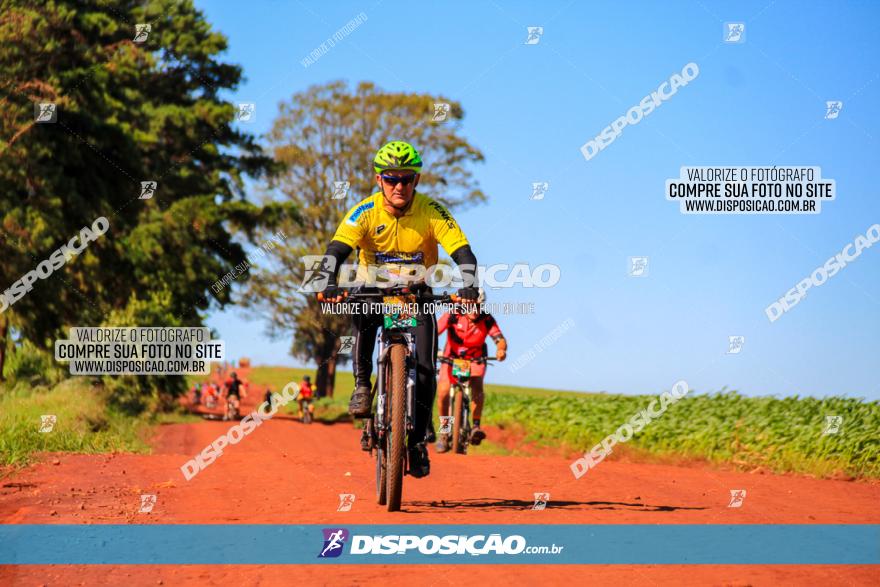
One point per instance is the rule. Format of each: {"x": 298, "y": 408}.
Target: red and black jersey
{"x": 467, "y": 337}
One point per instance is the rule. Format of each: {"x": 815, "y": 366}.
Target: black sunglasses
{"x": 393, "y": 180}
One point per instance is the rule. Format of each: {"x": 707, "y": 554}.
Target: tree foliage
{"x": 127, "y": 112}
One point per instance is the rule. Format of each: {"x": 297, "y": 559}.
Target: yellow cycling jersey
{"x": 411, "y": 239}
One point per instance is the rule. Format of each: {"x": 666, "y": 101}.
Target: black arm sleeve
{"x": 340, "y": 252}
{"x": 467, "y": 263}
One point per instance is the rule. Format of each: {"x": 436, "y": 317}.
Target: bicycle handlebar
{"x": 450, "y": 360}
{"x": 420, "y": 295}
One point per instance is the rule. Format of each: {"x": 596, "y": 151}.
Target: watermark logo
{"x": 268, "y": 245}
{"x": 832, "y": 424}
{"x": 236, "y": 433}
{"x": 346, "y": 501}
{"x": 396, "y": 268}
{"x": 735, "y": 344}
{"x": 541, "y": 500}
{"x": 319, "y": 268}
{"x": 832, "y": 109}
{"x": 141, "y": 32}
{"x": 454, "y": 545}
{"x": 441, "y": 112}
{"x": 646, "y": 106}
{"x": 45, "y": 112}
{"x": 822, "y": 274}
{"x": 147, "y": 503}
{"x": 737, "y": 497}
{"x": 246, "y": 113}
{"x": 734, "y": 32}
{"x": 47, "y": 423}
{"x": 539, "y": 190}
{"x": 148, "y": 189}
{"x": 340, "y": 189}
{"x": 55, "y": 261}
{"x": 331, "y": 41}
{"x": 534, "y": 34}
{"x": 549, "y": 339}
{"x": 346, "y": 345}
{"x": 334, "y": 539}
{"x": 633, "y": 426}
{"x": 638, "y": 266}
{"x": 750, "y": 190}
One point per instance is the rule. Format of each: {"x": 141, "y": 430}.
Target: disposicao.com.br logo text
{"x": 454, "y": 544}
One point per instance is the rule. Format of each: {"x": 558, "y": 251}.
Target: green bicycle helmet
{"x": 397, "y": 156}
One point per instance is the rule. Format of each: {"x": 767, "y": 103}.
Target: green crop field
{"x": 779, "y": 434}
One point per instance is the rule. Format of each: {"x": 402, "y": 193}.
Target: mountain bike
{"x": 395, "y": 388}
{"x": 460, "y": 400}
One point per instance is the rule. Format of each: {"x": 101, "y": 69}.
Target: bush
{"x": 26, "y": 364}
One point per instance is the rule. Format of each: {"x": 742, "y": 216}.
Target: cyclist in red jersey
{"x": 466, "y": 338}
{"x": 306, "y": 392}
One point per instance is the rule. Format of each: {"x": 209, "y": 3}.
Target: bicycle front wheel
{"x": 397, "y": 431}
{"x": 458, "y": 422}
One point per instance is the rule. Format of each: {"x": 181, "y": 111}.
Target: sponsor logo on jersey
{"x": 399, "y": 257}
{"x": 443, "y": 213}
{"x": 356, "y": 213}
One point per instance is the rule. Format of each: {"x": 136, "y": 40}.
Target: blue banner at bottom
{"x": 270, "y": 544}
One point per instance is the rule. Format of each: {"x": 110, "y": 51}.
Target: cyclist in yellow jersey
{"x": 399, "y": 228}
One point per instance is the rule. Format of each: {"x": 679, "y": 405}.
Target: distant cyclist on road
{"x": 233, "y": 389}
{"x": 399, "y": 227}
{"x": 466, "y": 339}
{"x": 268, "y": 398}
{"x": 306, "y": 393}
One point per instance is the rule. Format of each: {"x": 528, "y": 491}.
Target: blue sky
{"x": 531, "y": 107}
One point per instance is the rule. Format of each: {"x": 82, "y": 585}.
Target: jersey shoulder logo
{"x": 442, "y": 212}
{"x": 356, "y": 213}
{"x": 380, "y": 228}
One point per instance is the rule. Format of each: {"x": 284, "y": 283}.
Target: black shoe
{"x": 419, "y": 465}
{"x": 430, "y": 435}
{"x": 477, "y": 436}
{"x": 361, "y": 402}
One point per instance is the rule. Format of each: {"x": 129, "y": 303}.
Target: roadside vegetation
{"x": 725, "y": 428}
{"x": 84, "y": 423}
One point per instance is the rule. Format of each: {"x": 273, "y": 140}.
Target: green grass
{"x": 85, "y": 423}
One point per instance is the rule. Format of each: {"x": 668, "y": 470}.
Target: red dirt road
{"x": 288, "y": 473}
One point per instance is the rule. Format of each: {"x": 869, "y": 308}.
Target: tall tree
{"x": 133, "y": 104}
{"x": 330, "y": 133}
